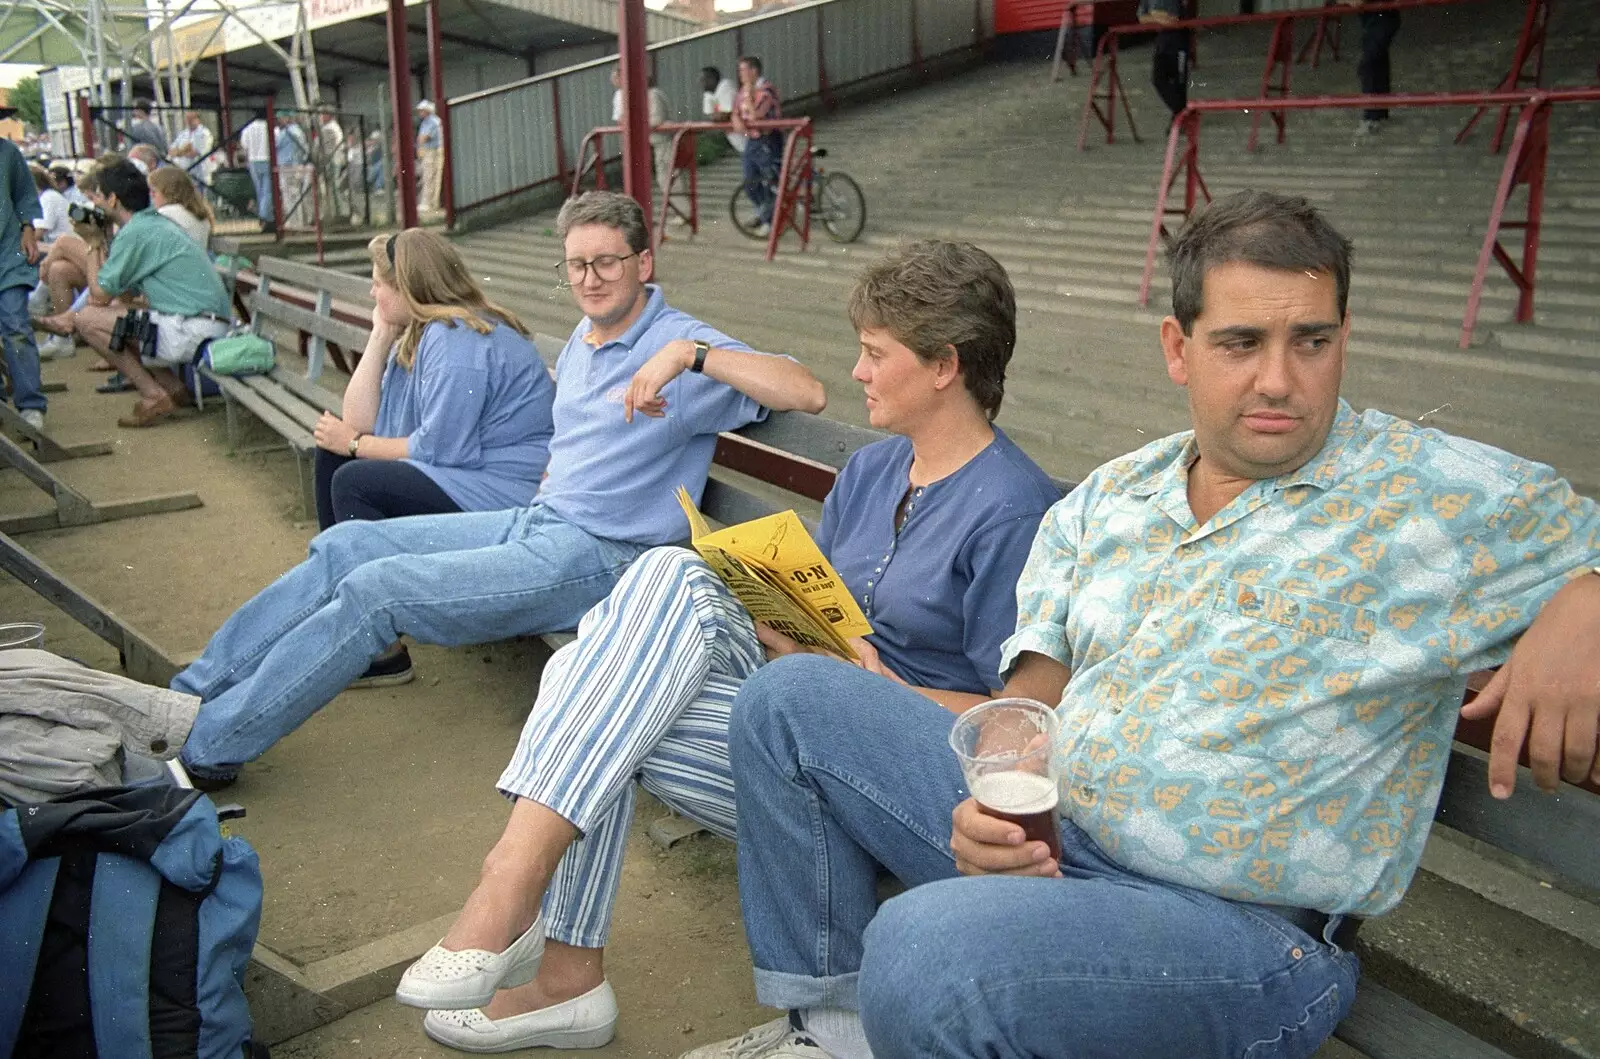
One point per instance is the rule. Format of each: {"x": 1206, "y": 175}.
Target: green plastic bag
{"x": 242, "y": 354}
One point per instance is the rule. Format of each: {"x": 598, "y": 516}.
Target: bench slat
{"x": 314, "y": 278}
{"x": 730, "y": 505}
{"x": 318, "y": 397}
{"x": 1555, "y": 830}
{"x": 296, "y": 435}
{"x": 811, "y": 437}
{"x": 1385, "y": 1025}
{"x": 285, "y": 402}
{"x": 347, "y": 335}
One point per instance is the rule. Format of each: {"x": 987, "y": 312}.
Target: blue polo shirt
{"x": 617, "y": 479}
{"x": 941, "y": 593}
{"x": 476, "y": 410}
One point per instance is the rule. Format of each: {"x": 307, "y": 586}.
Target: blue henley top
{"x": 617, "y": 479}
{"x": 941, "y": 593}
{"x": 476, "y": 410}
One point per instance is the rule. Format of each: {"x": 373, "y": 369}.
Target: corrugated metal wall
{"x": 503, "y": 139}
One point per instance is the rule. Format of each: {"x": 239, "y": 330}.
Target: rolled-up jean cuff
{"x": 779, "y": 989}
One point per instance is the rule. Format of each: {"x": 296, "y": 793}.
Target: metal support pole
{"x": 272, "y": 167}
{"x": 405, "y": 142}
{"x": 447, "y": 179}
{"x": 225, "y": 117}
{"x": 636, "y": 164}
{"x": 1275, "y": 78}
{"x": 88, "y": 126}
{"x": 1525, "y": 164}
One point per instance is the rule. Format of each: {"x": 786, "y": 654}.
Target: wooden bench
{"x": 286, "y": 400}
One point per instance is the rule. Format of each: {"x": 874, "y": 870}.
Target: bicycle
{"x": 835, "y": 200}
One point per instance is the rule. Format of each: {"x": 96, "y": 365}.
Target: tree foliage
{"x": 26, "y": 96}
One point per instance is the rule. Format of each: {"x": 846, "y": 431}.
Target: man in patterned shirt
{"x": 1267, "y": 623}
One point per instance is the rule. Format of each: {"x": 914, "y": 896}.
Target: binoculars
{"x": 78, "y": 213}
{"x": 137, "y": 329}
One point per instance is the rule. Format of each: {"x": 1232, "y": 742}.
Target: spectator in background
{"x": 151, "y": 257}
{"x": 191, "y": 149}
{"x": 1378, "y": 29}
{"x": 143, "y": 129}
{"x": 718, "y": 97}
{"x": 1169, "y": 64}
{"x": 145, "y": 158}
{"x": 67, "y": 184}
{"x": 449, "y": 408}
{"x": 375, "y": 175}
{"x": 64, "y": 273}
{"x": 758, "y": 101}
{"x": 430, "y": 157}
{"x": 258, "y": 158}
{"x": 53, "y": 222}
{"x": 330, "y": 163}
{"x": 294, "y": 171}
{"x": 660, "y": 142}
{"x": 19, "y": 258}
{"x": 175, "y": 197}
{"x": 355, "y": 164}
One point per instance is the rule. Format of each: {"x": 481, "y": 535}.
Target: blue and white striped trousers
{"x": 644, "y": 693}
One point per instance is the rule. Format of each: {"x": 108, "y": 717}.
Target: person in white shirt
{"x": 330, "y": 163}
{"x": 191, "y": 149}
{"x": 257, "y": 146}
{"x": 67, "y": 184}
{"x": 54, "y": 223}
{"x": 174, "y": 196}
{"x": 660, "y": 142}
{"x": 717, "y": 99}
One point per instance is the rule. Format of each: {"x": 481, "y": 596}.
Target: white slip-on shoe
{"x": 588, "y": 1021}
{"x": 777, "y": 1039}
{"x": 446, "y": 980}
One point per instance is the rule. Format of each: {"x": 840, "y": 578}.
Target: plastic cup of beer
{"x": 21, "y": 634}
{"x": 1005, "y": 747}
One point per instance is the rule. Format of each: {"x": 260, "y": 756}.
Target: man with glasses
{"x": 642, "y": 390}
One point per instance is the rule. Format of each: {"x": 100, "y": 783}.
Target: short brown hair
{"x": 609, "y": 208}
{"x": 933, "y": 296}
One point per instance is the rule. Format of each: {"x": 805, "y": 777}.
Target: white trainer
{"x": 446, "y": 981}
{"x": 34, "y": 417}
{"x": 39, "y": 301}
{"x": 588, "y": 1021}
{"x": 57, "y": 347}
{"x": 777, "y": 1039}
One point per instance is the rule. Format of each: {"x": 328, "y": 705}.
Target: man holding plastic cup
{"x": 1256, "y": 636}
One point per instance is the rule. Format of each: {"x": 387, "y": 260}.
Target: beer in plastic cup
{"x": 1006, "y": 748}
{"x": 21, "y": 634}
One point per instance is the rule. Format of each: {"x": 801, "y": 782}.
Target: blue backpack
{"x": 126, "y": 923}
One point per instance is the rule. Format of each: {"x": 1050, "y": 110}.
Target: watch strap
{"x": 701, "y": 348}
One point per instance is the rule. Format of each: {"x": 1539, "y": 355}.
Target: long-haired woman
{"x": 449, "y": 408}
{"x": 174, "y": 196}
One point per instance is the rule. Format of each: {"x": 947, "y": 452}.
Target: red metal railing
{"x": 1524, "y": 166}
{"x": 793, "y": 209}
{"x": 1073, "y": 18}
{"x": 1105, "y": 85}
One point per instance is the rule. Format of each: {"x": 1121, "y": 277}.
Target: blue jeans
{"x": 21, "y": 352}
{"x": 440, "y": 579}
{"x": 261, "y": 177}
{"x": 761, "y": 158}
{"x": 838, "y": 773}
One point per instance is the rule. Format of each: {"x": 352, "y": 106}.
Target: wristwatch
{"x": 355, "y": 443}
{"x": 701, "y": 348}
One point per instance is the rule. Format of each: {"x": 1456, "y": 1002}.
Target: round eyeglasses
{"x": 607, "y": 267}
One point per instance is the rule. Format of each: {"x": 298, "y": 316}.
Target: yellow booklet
{"x": 780, "y": 575}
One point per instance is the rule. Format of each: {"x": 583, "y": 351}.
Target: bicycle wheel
{"x": 840, "y": 206}
{"x": 743, "y": 213}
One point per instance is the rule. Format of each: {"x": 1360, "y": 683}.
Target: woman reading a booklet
{"x": 928, "y": 531}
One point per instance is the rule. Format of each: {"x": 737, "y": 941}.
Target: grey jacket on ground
{"x": 65, "y": 727}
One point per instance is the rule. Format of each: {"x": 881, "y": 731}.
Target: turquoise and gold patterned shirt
{"x": 1262, "y": 707}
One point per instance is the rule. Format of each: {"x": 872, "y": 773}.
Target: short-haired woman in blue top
{"x": 928, "y": 529}
{"x": 450, "y": 407}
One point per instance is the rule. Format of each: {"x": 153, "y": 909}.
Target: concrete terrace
{"x": 991, "y": 157}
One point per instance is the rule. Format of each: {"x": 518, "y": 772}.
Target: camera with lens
{"x": 87, "y": 213}
{"x": 135, "y": 329}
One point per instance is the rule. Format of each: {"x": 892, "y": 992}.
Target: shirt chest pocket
{"x": 1273, "y": 672}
